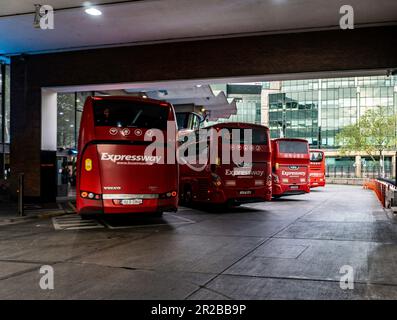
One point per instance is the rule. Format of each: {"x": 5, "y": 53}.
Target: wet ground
{"x": 291, "y": 248}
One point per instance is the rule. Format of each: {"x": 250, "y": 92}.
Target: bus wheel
{"x": 187, "y": 196}
{"x": 158, "y": 214}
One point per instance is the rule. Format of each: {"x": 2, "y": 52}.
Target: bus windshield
{"x": 292, "y": 147}
{"x": 238, "y": 136}
{"x": 316, "y": 156}
{"x": 127, "y": 113}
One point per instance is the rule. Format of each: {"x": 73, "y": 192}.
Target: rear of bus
{"x": 114, "y": 173}
{"x": 317, "y": 168}
{"x": 233, "y": 182}
{"x": 290, "y": 161}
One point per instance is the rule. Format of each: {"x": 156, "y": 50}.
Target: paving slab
{"x": 83, "y": 281}
{"x": 373, "y": 263}
{"x": 177, "y": 252}
{"x": 253, "y": 288}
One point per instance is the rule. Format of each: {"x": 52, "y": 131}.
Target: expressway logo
{"x": 105, "y": 156}
{"x": 241, "y": 172}
{"x": 292, "y": 173}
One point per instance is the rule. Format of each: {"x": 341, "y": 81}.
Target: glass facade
{"x": 4, "y": 120}
{"x": 295, "y": 114}
{"x": 248, "y": 101}
{"x": 70, "y": 108}
{"x": 316, "y": 110}
{"x": 5, "y": 103}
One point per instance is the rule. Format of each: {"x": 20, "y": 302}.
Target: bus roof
{"x": 289, "y": 139}
{"x": 236, "y": 125}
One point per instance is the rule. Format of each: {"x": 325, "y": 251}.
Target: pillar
{"x": 358, "y": 166}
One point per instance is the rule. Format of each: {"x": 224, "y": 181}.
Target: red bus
{"x": 290, "y": 160}
{"x": 227, "y": 182}
{"x": 114, "y": 175}
{"x": 317, "y": 168}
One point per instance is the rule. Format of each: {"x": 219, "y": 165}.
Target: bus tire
{"x": 187, "y": 196}
{"x": 158, "y": 214}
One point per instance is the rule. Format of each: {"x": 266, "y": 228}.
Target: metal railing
{"x": 385, "y": 190}
{"x": 349, "y": 171}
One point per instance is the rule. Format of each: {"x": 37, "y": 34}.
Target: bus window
{"x": 316, "y": 156}
{"x": 245, "y": 136}
{"x": 293, "y": 146}
{"x": 121, "y": 113}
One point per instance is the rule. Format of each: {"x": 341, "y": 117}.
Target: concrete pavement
{"x": 292, "y": 248}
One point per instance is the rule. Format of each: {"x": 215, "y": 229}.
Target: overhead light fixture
{"x": 93, "y": 11}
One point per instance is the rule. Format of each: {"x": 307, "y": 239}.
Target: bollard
{"x": 20, "y": 194}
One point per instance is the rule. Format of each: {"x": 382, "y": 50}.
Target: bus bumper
{"x": 317, "y": 182}
{"x": 109, "y": 207}
{"x": 256, "y": 194}
{"x": 295, "y": 189}
{"x": 147, "y": 206}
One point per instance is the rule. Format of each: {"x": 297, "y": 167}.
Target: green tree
{"x": 374, "y": 133}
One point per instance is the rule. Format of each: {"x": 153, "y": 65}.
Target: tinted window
{"x": 246, "y": 136}
{"x": 182, "y": 120}
{"x": 124, "y": 113}
{"x": 292, "y": 147}
{"x": 316, "y": 156}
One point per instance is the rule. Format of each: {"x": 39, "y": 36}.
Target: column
{"x": 358, "y": 166}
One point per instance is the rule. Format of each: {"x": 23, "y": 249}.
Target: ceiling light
{"x": 93, "y": 11}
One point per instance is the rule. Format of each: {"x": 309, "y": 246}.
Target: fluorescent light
{"x": 93, "y": 11}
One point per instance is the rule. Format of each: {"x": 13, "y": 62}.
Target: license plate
{"x": 294, "y": 187}
{"x": 245, "y": 192}
{"x": 131, "y": 202}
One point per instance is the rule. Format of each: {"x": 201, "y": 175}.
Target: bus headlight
{"x": 285, "y": 180}
{"x": 259, "y": 182}
{"x": 303, "y": 180}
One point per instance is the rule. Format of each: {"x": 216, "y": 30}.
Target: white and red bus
{"x": 317, "y": 168}
{"x": 290, "y": 161}
{"x": 114, "y": 174}
{"x": 229, "y": 182}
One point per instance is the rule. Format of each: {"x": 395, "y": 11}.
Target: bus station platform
{"x": 296, "y": 247}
